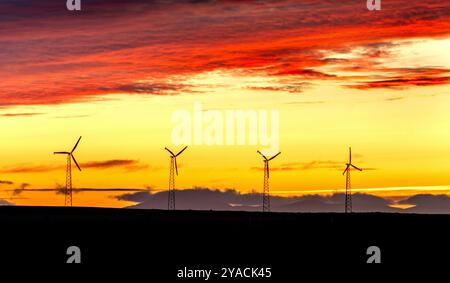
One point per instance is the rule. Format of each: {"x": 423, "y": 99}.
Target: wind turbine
{"x": 70, "y": 157}
{"x": 348, "y": 187}
{"x": 266, "y": 195}
{"x": 172, "y": 172}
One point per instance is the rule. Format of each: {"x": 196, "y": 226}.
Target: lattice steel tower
{"x": 68, "y": 191}
{"x": 171, "y": 200}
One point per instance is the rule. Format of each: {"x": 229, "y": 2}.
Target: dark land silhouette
{"x": 165, "y": 240}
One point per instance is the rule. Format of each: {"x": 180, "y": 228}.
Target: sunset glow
{"x": 376, "y": 81}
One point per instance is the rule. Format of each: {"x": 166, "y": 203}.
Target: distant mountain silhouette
{"x": 426, "y": 203}
{"x": 211, "y": 199}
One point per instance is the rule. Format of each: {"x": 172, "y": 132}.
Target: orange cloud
{"x": 301, "y": 166}
{"x": 19, "y": 114}
{"x": 109, "y": 163}
{"x": 130, "y": 165}
{"x": 313, "y": 165}
{"x": 30, "y": 169}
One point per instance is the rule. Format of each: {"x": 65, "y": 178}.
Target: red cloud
{"x": 406, "y": 77}
{"x": 50, "y": 57}
{"x": 402, "y": 83}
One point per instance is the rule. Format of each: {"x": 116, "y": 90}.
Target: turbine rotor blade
{"x": 262, "y": 154}
{"x": 274, "y": 156}
{"x": 169, "y": 151}
{"x": 346, "y": 169}
{"x": 267, "y": 168}
{"x": 350, "y": 153}
{"x": 76, "y": 163}
{"x": 76, "y": 145}
{"x": 61, "y": 152}
{"x": 356, "y": 167}
{"x": 181, "y": 151}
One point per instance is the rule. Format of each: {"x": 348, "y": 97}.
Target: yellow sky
{"x": 401, "y": 136}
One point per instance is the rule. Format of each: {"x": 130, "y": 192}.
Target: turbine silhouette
{"x": 266, "y": 193}
{"x": 173, "y": 169}
{"x": 348, "y": 187}
{"x": 70, "y": 157}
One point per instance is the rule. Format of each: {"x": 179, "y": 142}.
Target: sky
{"x": 114, "y": 73}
